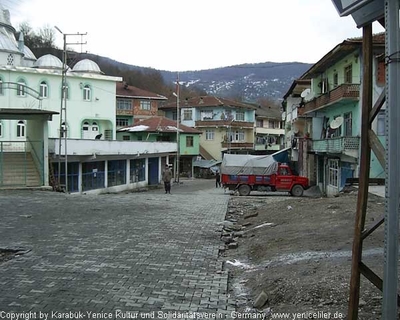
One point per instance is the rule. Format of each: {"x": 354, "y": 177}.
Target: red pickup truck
{"x": 246, "y": 173}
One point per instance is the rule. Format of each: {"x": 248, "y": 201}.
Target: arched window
{"x": 21, "y": 129}
{"x": 44, "y": 90}
{"x": 87, "y": 94}
{"x": 21, "y": 91}
{"x": 95, "y": 127}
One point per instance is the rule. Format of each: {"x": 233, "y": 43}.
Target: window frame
{"x": 21, "y": 85}
{"x": 240, "y": 116}
{"x": 87, "y": 93}
{"x": 145, "y": 105}
{"x": 210, "y": 134}
{"x": 44, "y": 90}
{"x": 187, "y": 114}
{"x": 124, "y": 104}
{"x": 189, "y": 141}
{"x": 121, "y": 122}
{"x": 21, "y": 129}
{"x": 348, "y": 73}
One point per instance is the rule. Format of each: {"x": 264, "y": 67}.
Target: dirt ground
{"x": 298, "y": 252}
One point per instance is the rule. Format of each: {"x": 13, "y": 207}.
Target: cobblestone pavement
{"x": 134, "y": 252}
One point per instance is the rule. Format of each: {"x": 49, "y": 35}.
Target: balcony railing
{"x": 225, "y": 123}
{"x": 344, "y": 92}
{"x": 237, "y": 145}
{"x": 346, "y": 145}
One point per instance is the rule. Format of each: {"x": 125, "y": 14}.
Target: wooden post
{"x": 365, "y": 159}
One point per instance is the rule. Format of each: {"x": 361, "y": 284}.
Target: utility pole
{"x": 63, "y": 127}
{"x": 177, "y": 129}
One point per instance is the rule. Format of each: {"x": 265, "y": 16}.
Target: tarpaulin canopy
{"x": 241, "y": 164}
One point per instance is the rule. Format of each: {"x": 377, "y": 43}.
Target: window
{"x": 107, "y": 134}
{"x": 137, "y": 170}
{"x": 335, "y": 80}
{"x": 21, "y": 88}
{"x": 1, "y": 86}
{"x": 189, "y": 141}
{"x": 206, "y": 115}
{"x": 85, "y": 126}
{"x": 44, "y": 90}
{"x": 381, "y": 128}
{"x": 126, "y": 138}
{"x": 348, "y": 125}
{"x": 116, "y": 172}
{"x": 237, "y": 136}
{"x": 124, "y": 104}
{"x": 333, "y": 175}
{"x": 239, "y": 115}
{"x": 259, "y": 123}
{"x": 95, "y": 127}
{"x": 209, "y": 134}
{"x": 87, "y": 94}
{"x": 121, "y": 122}
{"x": 273, "y": 124}
{"x": 337, "y": 132}
{"x": 348, "y": 74}
{"x": 1, "y": 129}
{"x": 145, "y": 105}
{"x": 21, "y": 129}
{"x": 187, "y": 114}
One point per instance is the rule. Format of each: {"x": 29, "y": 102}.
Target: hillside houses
{"x": 323, "y": 115}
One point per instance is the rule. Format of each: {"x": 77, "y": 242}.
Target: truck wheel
{"x": 297, "y": 190}
{"x": 244, "y": 190}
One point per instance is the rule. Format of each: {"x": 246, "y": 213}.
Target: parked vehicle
{"x": 246, "y": 173}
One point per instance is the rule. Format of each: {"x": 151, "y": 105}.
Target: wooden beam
{"x": 377, "y": 147}
{"x": 377, "y": 107}
{"x": 365, "y": 159}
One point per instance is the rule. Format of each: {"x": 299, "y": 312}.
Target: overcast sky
{"x": 182, "y": 35}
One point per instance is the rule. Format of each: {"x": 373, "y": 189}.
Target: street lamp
{"x": 177, "y": 129}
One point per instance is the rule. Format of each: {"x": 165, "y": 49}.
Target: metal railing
{"x": 21, "y": 163}
{"x": 336, "y": 145}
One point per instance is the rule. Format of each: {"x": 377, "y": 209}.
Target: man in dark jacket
{"x": 167, "y": 177}
{"x": 217, "y": 179}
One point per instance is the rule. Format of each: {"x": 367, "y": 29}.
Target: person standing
{"x": 167, "y": 177}
{"x": 217, "y": 179}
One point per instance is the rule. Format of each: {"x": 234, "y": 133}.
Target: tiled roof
{"x": 125, "y": 90}
{"x": 208, "y": 101}
{"x": 269, "y": 112}
{"x": 340, "y": 51}
{"x": 158, "y": 124}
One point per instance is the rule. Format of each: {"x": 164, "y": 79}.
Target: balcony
{"x": 237, "y": 145}
{"x": 341, "y": 94}
{"x": 338, "y": 145}
{"x": 225, "y": 123}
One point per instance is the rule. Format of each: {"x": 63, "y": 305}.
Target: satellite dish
{"x": 305, "y": 93}
{"x": 295, "y": 129}
{"x": 336, "y": 123}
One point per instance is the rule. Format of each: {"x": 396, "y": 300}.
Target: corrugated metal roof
{"x": 209, "y": 101}
{"x": 125, "y": 90}
{"x": 159, "y": 124}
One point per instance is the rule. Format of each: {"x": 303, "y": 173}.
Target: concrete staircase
{"x": 19, "y": 170}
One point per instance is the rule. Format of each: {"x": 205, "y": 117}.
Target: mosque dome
{"x": 88, "y": 66}
{"x": 48, "y": 61}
